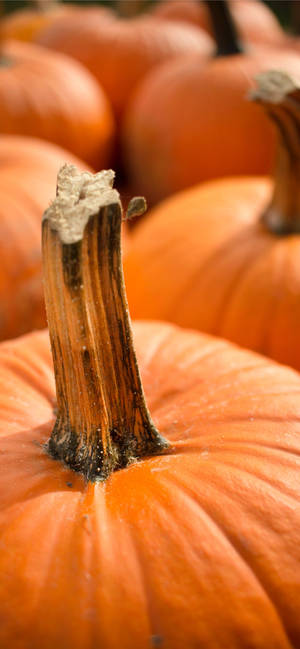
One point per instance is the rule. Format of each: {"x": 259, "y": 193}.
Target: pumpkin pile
{"x": 149, "y": 470}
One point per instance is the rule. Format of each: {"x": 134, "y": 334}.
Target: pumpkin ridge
{"x": 240, "y": 554}
{"x": 149, "y": 600}
{"x": 262, "y": 480}
{"x": 29, "y": 374}
{"x": 210, "y": 262}
{"x": 271, "y": 307}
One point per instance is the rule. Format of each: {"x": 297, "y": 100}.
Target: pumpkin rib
{"x": 236, "y": 548}
{"x": 240, "y": 554}
{"x": 242, "y": 286}
{"x": 152, "y": 618}
{"x": 31, "y": 375}
{"x": 220, "y": 532}
{"x": 211, "y": 262}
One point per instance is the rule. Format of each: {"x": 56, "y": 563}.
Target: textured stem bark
{"x": 224, "y": 28}
{"x": 280, "y": 96}
{"x": 103, "y": 423}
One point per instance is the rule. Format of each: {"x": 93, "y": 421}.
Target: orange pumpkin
{"x": 47, "y": 95}
{"x": 196, "y": 543}
{"x": 121, "y": 52}
{"x": 254, "y": 20}
{"x": 28, "y": 169}
{"x": 25, "y": 24}
{"x": 204, "y": 259}
{"x": 189, "y": 122}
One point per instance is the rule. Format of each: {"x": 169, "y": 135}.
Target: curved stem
{"x": 103, "y": 423}
{"x": 280, "y": 96}
{"x": 224, "y": 28}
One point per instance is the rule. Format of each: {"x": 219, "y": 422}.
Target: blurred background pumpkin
{"x": 189, "y": 122}
{"x": 48, "y": 95}
{"x": 223, "y": 257}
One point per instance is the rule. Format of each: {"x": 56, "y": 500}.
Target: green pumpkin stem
{"x": 224, "y": 28}
{"x": 280, "y": 96}
{"x": 103, "y": 423}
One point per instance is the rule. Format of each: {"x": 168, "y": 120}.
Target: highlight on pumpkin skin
{"x": 103, "y": 423}
{"x": 279, "y": 93}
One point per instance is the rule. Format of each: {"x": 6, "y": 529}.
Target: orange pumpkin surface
{"x": 47, "y": 95}
{"x": 28, "y": 169}
{"x": 121, "y": 52}
{"x": 189, "y": 122}
{"x": 25, "y": 24}
{"x": 204, "y": 258}
{"x": 196, "y": 547}
{"x": 254, "y": 20}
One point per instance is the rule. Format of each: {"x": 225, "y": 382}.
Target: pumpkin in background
{"x": 147, "y": 555}
{"x": 218, "y": 258}
{"x": 121, "y": 52}
{"x": 28, "y": 169}
{"x": 254, "y": 20}
{"x": 47, "y": 95}
{"x": 25, "y": 24}
{"x": 188, "y": 122}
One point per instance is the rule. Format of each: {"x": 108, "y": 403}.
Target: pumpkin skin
{"x": 255, "y": 22}
{"x": 202, "y": 259}
{"x": 222, "y": 133}
{"x": 151, "y": 555}
{"x": 25, "y": 24}
{"x": 28, "y": 170}
{"x": 47, "y": 95}
{"x": 133, "y": 47}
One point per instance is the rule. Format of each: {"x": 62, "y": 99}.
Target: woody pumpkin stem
{"x": 224, "y": 28}
{"x": 103, "y": 423}
{"x": 280, "y": 96}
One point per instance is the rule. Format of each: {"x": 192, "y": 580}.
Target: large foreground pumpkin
{"x": 28, "y": 169}
{"x": 47, "y": 95}
{"x": 221, "y": 258}
{"x": 190, "y": 122}
{"x": 194, "y": 542}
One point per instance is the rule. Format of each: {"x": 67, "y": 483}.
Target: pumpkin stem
{"x": 280, "y": 96}
{"x": 103, "y": 423}
{"x": 224, "y": 28}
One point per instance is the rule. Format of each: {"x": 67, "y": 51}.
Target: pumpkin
{"x": 188, "y": 122}
{"x": 24, "y": 24}
{"x": 254, "y": 20}
{"x": 223, "y": 257}
{"x": 47, "y": 95}
{"x": 123, "y": 529}
{"x": 28, "y": 169}
{"x": 120, "y": 53}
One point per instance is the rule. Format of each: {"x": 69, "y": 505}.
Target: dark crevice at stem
{"x": 225, "y": 31}
{"x": 103, "y": 423}
{"x": 280, "y": 96}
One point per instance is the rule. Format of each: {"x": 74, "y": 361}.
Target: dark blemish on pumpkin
{"x": 69, "y": 484}
{"x": 156, "y": 641}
